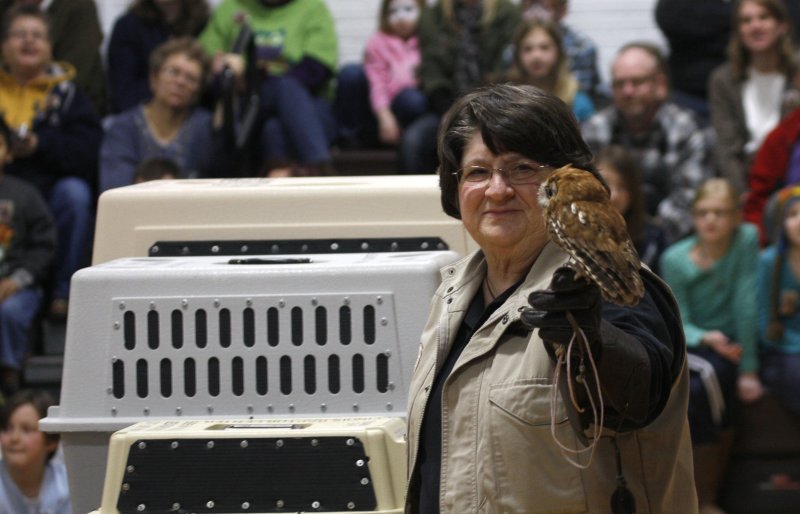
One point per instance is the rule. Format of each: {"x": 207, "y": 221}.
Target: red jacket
{"x": 768, "y": 172}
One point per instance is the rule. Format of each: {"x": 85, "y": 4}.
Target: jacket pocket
{"x": 530, "y": 473}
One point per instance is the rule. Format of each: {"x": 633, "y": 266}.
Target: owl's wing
{"x": 596, "y": 236}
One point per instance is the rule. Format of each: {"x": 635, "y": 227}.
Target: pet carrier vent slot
{"x": 200, "y": 328}
{"x": 177, "y": 329}
{"x": 166, "y": 378}
{"x": 189, "y": 378}
{"x": 225, "y": 328}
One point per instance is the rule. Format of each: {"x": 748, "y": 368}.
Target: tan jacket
{"x": 498, "y": 455}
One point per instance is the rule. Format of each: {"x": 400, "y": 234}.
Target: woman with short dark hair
{"x": 483, "y": 435}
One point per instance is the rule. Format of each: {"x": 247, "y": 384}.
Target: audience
{"x": 779, "y": 305}
{"x": 665, "y": 139}
{"x": 170, "y": 125}
{"x": 57, "y": 137}
{"x": 581, "y": 50}
{"x": 297, "y": 52}
{"x": 145, "y": 26}
{"x": 622, "y": 174}
{"x": 540, "y": 60}
{"x": 27, "y": 247}
{"x": 713, "y": 276}
{"x": 462, "y": 44}
{"x": 649, "y": 144}
{"x": 377, "y": 101}
{"x": 31, "y": 480}
{"x": 76, "y": 37}
{"x": 747, "y": 93}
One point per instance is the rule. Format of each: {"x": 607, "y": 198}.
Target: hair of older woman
{"x": 17, "y": 11}
{"x": 510, "y": 118}
{"x": 739, "y": 56}
{"x": 563, "y": 82}
{"x": 193, "y": 16}
{"x": 622, "y": 162}
{"x": 383, "y": 19}
{"x": 187, "y": 46}
{"x": 39, "y": 399}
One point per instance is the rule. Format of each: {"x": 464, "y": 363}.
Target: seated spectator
{"x": 540, "y": 60}
{"x": 462, "y": 45}
{"x": 31, "y": 481}
{"x": 382, "y": 98}
{"x": 779, "y": 305}
{"x": 57, "y": 137}
{"x": 145, "y": 26}
{"x": 296, "y": 49}
{"x": 665, "y": 140}
{"x": 170, "y": 125}
{"x": 581, "y": 50}
{"x": 27, "y": 247}
{"x": 713, "y": 277}
{"x": 623, "y": 177}
{"x": 775, "y": 165}
{"x": 156, "y": 168}
{"x": 747, "y": 93}
{"x": 76, "y": 36}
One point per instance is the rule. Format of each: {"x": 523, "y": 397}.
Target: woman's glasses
{"x": 517, "y": 174}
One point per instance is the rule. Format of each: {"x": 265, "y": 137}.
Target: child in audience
{"x": 31, "y": 481}
{"x": 390, "y": 62}
{"x": 623, "y": 176}
{"x": 541, "y": 60}
{"x": 380, "y": 98}
{"x": 779, "y": 305}
{"x": 712, "y": 274}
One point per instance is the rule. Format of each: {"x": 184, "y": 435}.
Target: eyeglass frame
{"x": 503, "y": 172}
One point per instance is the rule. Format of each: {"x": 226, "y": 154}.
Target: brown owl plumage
{"x": 581, "y": 220}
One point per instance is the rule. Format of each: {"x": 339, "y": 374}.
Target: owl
{"x": 581, "y": 220}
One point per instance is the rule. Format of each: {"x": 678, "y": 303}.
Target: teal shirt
{"x": 283, "y": 35}
{"x": 722, "y": 297}
{"x": 789, "y": 287}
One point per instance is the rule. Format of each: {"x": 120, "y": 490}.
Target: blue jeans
{"x": 16, "y": 316}
{"x": 418, "y": 146}
{"x": 298, "y": 126}
{"x": 70, "y": 201}
{"x": 354, "y": 111}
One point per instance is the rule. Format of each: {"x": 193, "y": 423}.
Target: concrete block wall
{"x": 609, "y": 22}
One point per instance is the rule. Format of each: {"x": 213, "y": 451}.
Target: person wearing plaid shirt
{"x": 666, "y": 140}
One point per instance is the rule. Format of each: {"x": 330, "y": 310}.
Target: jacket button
{"x": 449, "y": 301}
{"x": 505, "y": 319}
{"x": 449, "y": 289}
